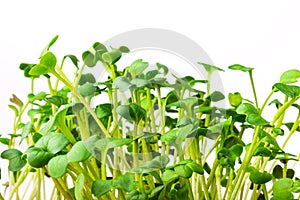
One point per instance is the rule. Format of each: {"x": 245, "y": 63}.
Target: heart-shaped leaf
{"x": 125, "y": 182}
{"x": 16, "y": 159}
{"x": 74, "y": 60}
{"x": 132, "y": 112}
{"x": 258, "y": 177}
{"x": 89, "y": 58}
{"x": 240, "y": 68}
{"x": 46, "y": 49}
{"x": 87, "y": 89}
{"x": 48, "y": 60}
{"x": 52, "y": 142}
{"x": 78, "y": 152}
{"x": 58, "y": 166}
{"x": 183, "y": 171}
{"x": 38, "y": 157}
{"x": 107, "y": 143}
{"x": 235, "y": 99}
{"x": 158, "y": 162}
{"x": 216, "y": 96}
{"x": 38, "y": 70}
{"x": 195, "y": 167}
{"x": 291, "y": 91}
{"x": 87, "y": 78}
{"x": 210, "y": 68}
{"x": 169, "y": 176}
{"x": 101, "y": 187}
{"x": 137, "y": 67}
{"x": 112, "y": 57}
{"x": 253, "y": 117}
{"x": 122, "y": 83}
{"x": 281, "y": 189}
{"x": 290, "y": 76}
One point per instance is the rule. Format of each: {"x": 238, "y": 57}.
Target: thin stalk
{"x": 253, "y": 89}
{"x": 82, "y": 100}
{"x": 218, "y": 183}
{"x": 20, "y": 180}
{"x": 283, "y": 108}
{"x": 135, "y": 150}
{"x": 62, "y": 189}
{"x": 239, "y": 177}
{"x": 103, "y": 165}
{"x": 266, "y": 101}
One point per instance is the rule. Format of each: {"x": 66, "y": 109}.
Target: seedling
{"x": 149, "y": 145}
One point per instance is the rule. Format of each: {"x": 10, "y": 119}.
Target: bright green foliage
{"x": 144, "y": 133}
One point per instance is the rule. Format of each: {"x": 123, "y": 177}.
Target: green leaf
{"x": 38, "y": 70}
{"x": 240, "y": 68}
{"x": 58, "y": 166}
{"x": 183, "y": 171}
{"x": 132, "y": 112}
{"x": 253, "y": 117}
{"x": 235, "y": 99}
{"x": 4, "y": 141}
{"x": 125, "y": 182}
{"x": 291, "y": 91}
{"x": 79, "y": 185}
{"x": 87, "y": 89}
{"x": 52, "y": 142}
{"x": 104, "y": 113}
{"x": 137, "y": 82}
{"x": 281, "y": 189}
{"x": 16, "y": 159}
{"x": 38, "y": 157}
{"x": 216, "y": 96}
{"x": 266, "y": 137}
{"x": 104, "y": 110}
{"x": 48, "y": 60}
{"x": 74, "y": 60}
{"x": 112, "y": 57}
{"x": 101, "y": 187}
{"x": 258, "y": 177}
{"x": 78, "y": 152}
{"x": 99, "y": 47}
{"x": 87, "y": 78}
{"x": 278, "y": 131}
{"x": 163, "y": 67}
{"x": 26, "y": 68}
{"x": 210, "y": 68}
{"x": 195, "y": 167}
{"x": 169, "y": 176}
{"x": 262, "y": 151}
{"x": 28, "y": 128}
{"x": 290, "y": 76}
{"x": 57, "y": 100}
{"x": 237, "y": 150}
{"x": 124, "y": 49}
{"x": 296, "y": 187}
{"x": 46, "y": 49}
{"x": 137, "y": 67}
{"x": 277, "y": 172}
{"x": 183, "y": 132}
{"x": 15, "y": 109}
{"x": 169, "y": 137}
{"x": 151, "y": 74}
{"x": 159, "y": 162}
{"x": 135, "y": 195}
{"x": 89, "y": 58}
{"x": 106, "y": 143}
{"x": 122, "y": 83}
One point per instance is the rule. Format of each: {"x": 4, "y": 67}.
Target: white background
{"x": 264, "y": 35}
